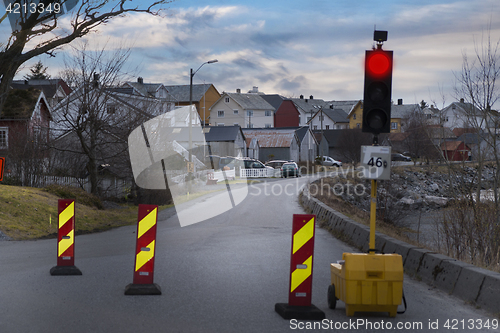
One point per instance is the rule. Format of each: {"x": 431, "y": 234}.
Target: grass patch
{"x": 30, "y": 213}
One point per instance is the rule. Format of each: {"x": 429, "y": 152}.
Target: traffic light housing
{"x": 377, "y": 92}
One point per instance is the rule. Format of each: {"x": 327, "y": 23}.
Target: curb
{"x": 465, "y": 281}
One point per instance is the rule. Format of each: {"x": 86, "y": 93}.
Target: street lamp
{"x": 191, "y": 75}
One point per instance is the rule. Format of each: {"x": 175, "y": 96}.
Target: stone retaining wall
{"x": 468, "y": 282}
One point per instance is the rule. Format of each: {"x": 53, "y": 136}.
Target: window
{"x": 111, "y": 108}
{"x": 358, "y": 125}
{"x": 220, "y": 114}
{"x": 220, "y": 124}
{"x": 226, "y": 99}
{"x": 354, "y": 116}
{"x": 235, "y": 111}
{"x": 4, "y": 137}
{"x": 315, "y": 127}
{"x": 250, "y": 113}
{"x": 327, "y": 126}
{"x": 236, "y": 124}
{"x": 394, "y": 125}
{"x": 250, "y": 126}
{"x": 269, "y": 113}
{"x": 268, "y": 125}
{"x": 321, "y": 118}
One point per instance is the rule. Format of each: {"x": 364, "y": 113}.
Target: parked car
{"x": 400, "y": 157}
{"x": 290, "y": 169}
{"x": 253, "y": 164}
{"x": 328, "y": 161}
{"x": 276, "y": 164}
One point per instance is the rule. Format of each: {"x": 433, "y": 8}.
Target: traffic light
{"x": 377, "y": 92}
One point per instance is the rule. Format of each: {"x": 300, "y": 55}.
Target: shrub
{"x": 80, "y": 195}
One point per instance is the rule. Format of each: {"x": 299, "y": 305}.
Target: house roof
{"x": 309, "y": 105}
{"x": 275, "y": 100}
{"x": 398, "y": 137}
{"x": 472, "y": 138}
{"x": 144, "y": 89}
{"x": 336, "y": 115}
{"x": 49, "y": 87}
{"x": 403, "y": 110}
{"x": 346, "y": 106}
{"x": 466, "y": 108}
{"x": 332, "y": 136}
{"x": 248, "y": 101}
{"x": 20, "y": 103}
{"x": 180, "y": 93}
{"x": 222, "y": 133}
{"x": 438, "y": 132}
{"x": 452, "y": 145}
{"x": 460, "y": 131}
{"x": 273, "y": 137}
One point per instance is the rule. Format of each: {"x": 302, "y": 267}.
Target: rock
{"x": 434, "y": 187}
{"x": 435, "y": 202}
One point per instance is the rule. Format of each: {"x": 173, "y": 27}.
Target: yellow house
{"x": 398, "y": 113}
{"x": 355, "y": 116}
{"x": 204, "y": 96}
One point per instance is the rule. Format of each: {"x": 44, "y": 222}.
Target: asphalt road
{"x": 221, "y": 275}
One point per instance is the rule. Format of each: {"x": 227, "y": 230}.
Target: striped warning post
{"x": 145, "y": 253}
{"x": 301, "y": 267}
{"x": 66, "y": 239}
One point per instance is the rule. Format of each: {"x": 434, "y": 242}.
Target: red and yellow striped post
{"x": 301, "y": 267}
{"x": 145, "y": 253}
{"x": 66, "y": 239}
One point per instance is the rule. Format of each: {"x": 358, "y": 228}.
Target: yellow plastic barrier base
{"x": 369, "y": 282}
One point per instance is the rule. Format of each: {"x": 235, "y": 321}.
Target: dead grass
{"x": 30, "y": 213}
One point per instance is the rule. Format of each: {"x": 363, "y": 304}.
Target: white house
{"x": 462, "y": 115}
{"x": 329, "y": 118}
{"x": 245, "y": 110}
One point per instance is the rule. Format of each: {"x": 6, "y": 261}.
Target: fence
{"x": 257, "y": 173}
{"x": 108, "y": 187}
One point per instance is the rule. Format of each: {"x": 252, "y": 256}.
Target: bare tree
{"x": 92, "y": 124}
{"x": 476, "y": 84}
{"x": 44, "y": 31}
{"x": 350, "y": 142}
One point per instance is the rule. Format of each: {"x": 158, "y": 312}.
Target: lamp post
{"x": 191, "y": 75}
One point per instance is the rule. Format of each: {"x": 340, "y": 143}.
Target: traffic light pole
{"x": 373, "y": 207}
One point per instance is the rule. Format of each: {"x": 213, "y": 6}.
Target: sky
{"x": 294, "y": 48}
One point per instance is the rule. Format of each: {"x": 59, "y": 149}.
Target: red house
{"x": 25, "y": 118}
{"x": 455, "y": 150}
{"x": 287, "y": 115}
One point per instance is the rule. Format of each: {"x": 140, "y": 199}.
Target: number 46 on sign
{"x": 376, "y": 162}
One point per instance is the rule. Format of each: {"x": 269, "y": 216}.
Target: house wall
{"x": 280, "y": 153}
{"x": 356, "y": 117}
{"x": 397, "y": 126}
{"x": 287, "y": 115}
{"x": 327, "y": 122}
{"x": 230, "y": 118}
{"x": 206, "y": 102}
{"x": 308, "y": 148}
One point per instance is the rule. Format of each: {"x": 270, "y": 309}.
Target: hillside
{"x": 31, "y": 213}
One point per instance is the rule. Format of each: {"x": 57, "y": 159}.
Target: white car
{"x": 328, "y": 161}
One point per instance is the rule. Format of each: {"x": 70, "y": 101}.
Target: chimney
{"x": 96, "y": 80}
{"x": 140, "y": 80}
{"x": 25, "y": 81}
{"x": 255, "y": 90}
{"x": 301, "y": 96}
{"x": 238, "y": 90}
{"x": 462, "y": 100}
{"x": 400, "y": 101}
{"x": 331, "y": 106}
{"x": 311, "y": 97}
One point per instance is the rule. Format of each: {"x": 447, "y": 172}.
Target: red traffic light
{"x": 379, "y": 63}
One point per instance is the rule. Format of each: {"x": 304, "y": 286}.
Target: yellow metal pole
{"x": 373, "y": 215}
